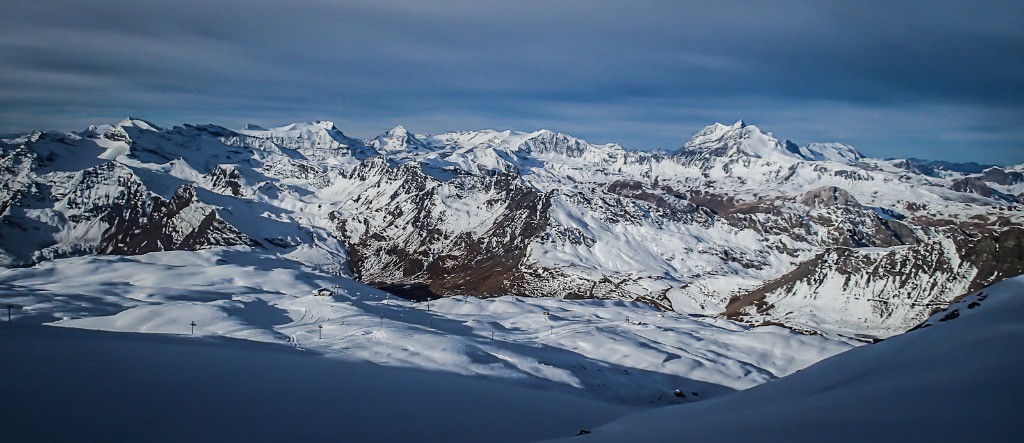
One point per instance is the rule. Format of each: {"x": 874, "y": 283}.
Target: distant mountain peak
{"x": 132, "y": 122}
{"x": 326, "y": 124}
{"x": 736, "y": 140}
{"x": 397, "y": 131}
{"x": 397, "y": 139}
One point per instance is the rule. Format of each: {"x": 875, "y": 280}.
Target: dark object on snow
{"x": 582, "y": 432}
{"x": 952, "y": 314}
{"x": 694, "y": 393}
{"x": 680, "y": 394}
{"x": 973, "y": 305}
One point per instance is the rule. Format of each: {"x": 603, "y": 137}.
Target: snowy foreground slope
{"x": 615, "y": 351}
{"x": 737, "y": 221}
{"x": 256, "y": 371}
{"x": 956, "y": 379}
{"x": 75, "y": 385}
{"x": 100, "y": 349}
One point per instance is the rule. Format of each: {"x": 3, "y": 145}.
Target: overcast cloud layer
{"x": 942, "y": 81}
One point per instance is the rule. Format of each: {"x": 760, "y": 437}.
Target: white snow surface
{"x": 834, "y": 152}
{"x": 958, "y": 379}
{"x": 614, "y": 351}
{"x": 256, "y": 371}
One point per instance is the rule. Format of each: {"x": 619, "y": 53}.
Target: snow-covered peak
{"x": 836, "y": 152}
{"x": 318, "y": 139}
{"x": 738, "y": 139}
{"x": 315, "y": 126}
{"x": 315, "y": 130}
{"x": 716, "y": 131}
{"x": 397, "y": 131}
{"x": 397, "y": 139}
{"x": 132, "y": 122}
{"x": 546, "y": 141}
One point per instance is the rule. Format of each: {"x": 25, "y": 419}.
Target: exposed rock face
{"x": 480, "y": 255}
{"x": 181, "y": 223}
{"x": 1002, "y": 177}
{"x": 997, "y": 254}
{"x": 974, "y": 185}
{"x": 891, "y": 290}
{"x": 827, "y": 197}
{"x": 226, "y": 179}
{"x": 104, "y": 208}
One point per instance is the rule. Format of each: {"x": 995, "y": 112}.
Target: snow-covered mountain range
{"x": 737, "y": 221}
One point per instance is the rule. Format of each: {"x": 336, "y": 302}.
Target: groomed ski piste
{"x": 107, "y": 344}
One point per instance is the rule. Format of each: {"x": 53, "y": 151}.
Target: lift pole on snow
{"x": 193, "y": 327}
{"x": 9, "y": 307}
{"x": 321, "y": 328}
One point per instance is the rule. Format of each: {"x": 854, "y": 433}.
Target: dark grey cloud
{"x": 936, "y": 80}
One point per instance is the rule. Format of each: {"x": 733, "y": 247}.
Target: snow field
{"x": 614, "y": 351}
{"x": 956, "y": 379}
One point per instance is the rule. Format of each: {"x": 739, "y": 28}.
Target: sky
{"x": 937, "y": 80}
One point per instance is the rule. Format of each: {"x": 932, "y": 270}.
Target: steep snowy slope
{"x": 956, "y": 379}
